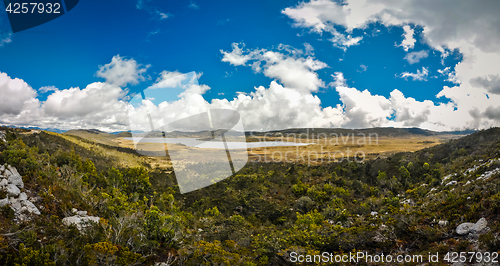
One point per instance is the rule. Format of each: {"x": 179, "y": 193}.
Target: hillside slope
{"x": 409, "y": 203}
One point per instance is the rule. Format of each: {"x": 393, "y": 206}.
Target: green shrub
{"x": 7, "y": 212}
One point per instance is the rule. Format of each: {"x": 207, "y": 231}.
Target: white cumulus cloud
{"x": 415, "y": 57}
{"x": 420, "y": 75}
{"x": 472, "y": 27}
{"x": 408, "y": 41}
{"x": 321, "y": 16}
{"x": 121, "y": 71}
{"x": 14, "y": 93}
{"x": 292, "y": 70}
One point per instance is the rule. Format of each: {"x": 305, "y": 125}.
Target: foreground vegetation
{"x": 257, "y": 217}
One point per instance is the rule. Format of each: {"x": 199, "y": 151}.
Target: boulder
{"x": 23, "y": 196}
{"x": 15, "y": 204}
{"x": 4, "y": 202}
{"x": 80, "y": 221}
{"x": 71, "y": 220}
{"x": 12, "y": 190}
{"x": 94, "y": 219}
{"x": 443, "y": 223}
{"x": 6, "y": 173}
{"x": 81, "y": 213}
{"x": 479, "y": 226}
{"x": 30, "y": 207}
{"x": 464, "y": 228}
{"x": 15, "y": 178}
{"x": 3, "y": 182}
{"x": 2, "y": 168}
{"x": 474, "y": 228}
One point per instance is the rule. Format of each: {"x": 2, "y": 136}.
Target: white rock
{"x": 94, "y": 219}
{"x": 488, "y": 174}
{"x": 23, "y": 196}
{"x": 407, "y": 201}
{"x": 479, "y": 226}
{"x": 71, "y": 220}
{"x": 464, "y": 228}
{"x": 12, "y": 190}
{"x": 446, "y": 177}
{"x": 476, "y": 228}
{"x": 80, "y": 222}
{"x": 452, "y": 183}
{"x": 443, "y": 223}
{"x": 374, "y": 213}
{"x": 81, "y": 213}
{"x": 15, "y": 178}
{"x": 4, "y": 182}
{"x": 15, "y": 204}
{"x": 31, "y": 208}
{"x": 7, "y": 173}
{"x": 2, "y": 168}
{"x": 4, "y": 202}
{"x": 74, "y": 210}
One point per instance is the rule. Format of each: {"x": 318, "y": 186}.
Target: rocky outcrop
{"x": 12, "y": 190}
{"x": 14, "y": 177}
{"x": 11, "y": 183}
{"x": 81, "y": 220}
{"x": 2, "y": 137}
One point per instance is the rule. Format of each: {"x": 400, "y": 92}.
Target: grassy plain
{"x": 320, "y": 148}
{"x": 348, "y": 147}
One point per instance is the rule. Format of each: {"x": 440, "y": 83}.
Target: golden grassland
{"x": 318, "y": 150}
{"x": 322, "y": 149}
{"x": 352, "y": 148}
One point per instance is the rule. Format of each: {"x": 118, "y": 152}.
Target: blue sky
{"x": 186, "y": 36}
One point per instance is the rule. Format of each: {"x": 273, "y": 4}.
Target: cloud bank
{"x": 471, "y": 27}
{"x": 287, "y": 102}
{"x": 290, "y": 100}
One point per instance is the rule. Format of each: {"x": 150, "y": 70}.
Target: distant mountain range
{"x": 380, "y": 131}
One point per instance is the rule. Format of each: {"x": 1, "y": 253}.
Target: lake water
{"x": 193, "y": 142}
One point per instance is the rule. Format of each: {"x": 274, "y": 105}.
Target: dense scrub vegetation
{"x": 256, "y": 217}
